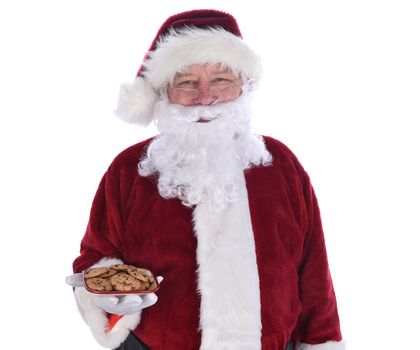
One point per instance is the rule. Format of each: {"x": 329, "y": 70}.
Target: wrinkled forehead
{"x": 207, "y": 70}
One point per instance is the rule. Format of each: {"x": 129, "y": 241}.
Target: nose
{"x": 205, "y": 97}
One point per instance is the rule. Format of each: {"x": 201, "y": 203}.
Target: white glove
{"x": 125, "y": 305}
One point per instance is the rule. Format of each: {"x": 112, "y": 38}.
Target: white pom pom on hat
{"x": 193, "y": 37}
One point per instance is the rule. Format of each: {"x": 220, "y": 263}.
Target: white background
{"x": 341, "y": 89}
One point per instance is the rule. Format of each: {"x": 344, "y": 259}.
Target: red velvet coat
{"x": 131, "y": 221}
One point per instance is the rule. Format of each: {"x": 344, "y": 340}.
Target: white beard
{"x": 201, "y": 162}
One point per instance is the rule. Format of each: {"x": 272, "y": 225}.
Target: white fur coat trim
{"x": 97, "y": 320}
{"x": 329, "y": 345}
{"x": 228, "y": 282}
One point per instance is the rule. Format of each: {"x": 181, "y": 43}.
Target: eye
{"x": 221, "y": 81}
{"x": 224, "y": 79}
{"x": 187, "y": 82}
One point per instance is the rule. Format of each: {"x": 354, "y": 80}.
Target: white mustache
{"x": 191, "y": 114}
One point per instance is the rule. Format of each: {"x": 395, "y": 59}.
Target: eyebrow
{"x": 191, "y": 75}
{"x": 183, "y": 75}
{"x": 222, "y": 70}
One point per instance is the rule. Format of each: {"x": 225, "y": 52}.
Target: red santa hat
{"x": 193, "y": 37}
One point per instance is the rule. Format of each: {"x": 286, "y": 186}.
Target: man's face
{"x": 204, "y": 85}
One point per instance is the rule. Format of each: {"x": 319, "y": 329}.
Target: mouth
{"x": 209, "y": 118}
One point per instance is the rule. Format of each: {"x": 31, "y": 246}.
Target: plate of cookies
{"x": 116, "y": 280}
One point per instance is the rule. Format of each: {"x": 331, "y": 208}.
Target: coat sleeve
{"x": 103, "y": 232}
{"x": 101, "y": 246}
{"x": 318, "y": 326}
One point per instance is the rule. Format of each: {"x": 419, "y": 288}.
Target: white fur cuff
{"x": 97, "y": 319}
{"x": 329, "y": 345}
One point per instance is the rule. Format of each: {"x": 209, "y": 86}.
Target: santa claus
{"x": 226, "y": 217}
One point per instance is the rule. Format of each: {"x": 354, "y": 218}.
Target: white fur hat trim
{"x": 175, "y": 52}
{"x": 184, "y": 47}
{"x": 136, "y": 102}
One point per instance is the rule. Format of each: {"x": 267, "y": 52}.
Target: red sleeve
{"x": 105, "y": 225}
{"x": 319, "y": 321}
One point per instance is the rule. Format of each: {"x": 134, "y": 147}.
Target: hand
{"x": 125, "y": 305}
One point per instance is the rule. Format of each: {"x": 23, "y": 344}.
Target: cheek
{"x": 232, "y": 95}
{"x": 179, "y": 100}
{"x": 226, "y": 97}
{"x": 184, "y": 102}
{"x": 171, "y": 95}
